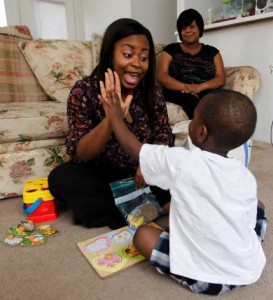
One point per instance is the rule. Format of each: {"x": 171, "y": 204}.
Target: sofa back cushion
{"x": 17, "y": 81}
{"x": 58, "y": 64}
{"x": 243, "y": 79}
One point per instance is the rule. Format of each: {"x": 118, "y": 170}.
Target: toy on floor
{"x": 23, "y": 229}
{"x": 12, "y": 240}
{"x": 28, "y": 224}
{"x": 23, "y": 234}
{"x": 112, "y": 252}
{"x": 33, "y": 240}
{"x": 46, "y": 230}
{"x": 39, "y": 204}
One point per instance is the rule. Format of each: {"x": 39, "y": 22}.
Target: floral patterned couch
{"x": 36, "y": 77}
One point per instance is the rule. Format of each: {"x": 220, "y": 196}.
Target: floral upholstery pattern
{"x": 244, "y": 79}
{"x": 58, "y": 64}
{"x": 32, "y": 132}
{"x": 49, "y": 120}
{"x": 19, "y": 167}
{"x": 158, "y": 50}
{"x": 34, "y": 146}
{"x": 17, "y": 31}
{"x": 96, "y": 45}
{"x": 176, "y": 114}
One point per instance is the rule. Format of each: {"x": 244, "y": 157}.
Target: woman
{"x": 97, "y": 159}
{"x": 189, "y": 70}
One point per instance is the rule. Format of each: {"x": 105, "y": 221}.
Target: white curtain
{"x": 3, "y": 17}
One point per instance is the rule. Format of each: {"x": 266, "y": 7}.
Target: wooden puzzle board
{"x": 111, "y": 252}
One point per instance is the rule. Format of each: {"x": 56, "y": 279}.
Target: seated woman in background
{"x": 188, "y": 70}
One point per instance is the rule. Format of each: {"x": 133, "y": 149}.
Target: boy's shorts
{"x": 161, "y": 260}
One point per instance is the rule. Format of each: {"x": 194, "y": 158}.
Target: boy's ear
{"x": 202, "y": 133}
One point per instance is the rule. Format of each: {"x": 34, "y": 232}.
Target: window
{"x": 3, "y": 18}
{"x": 50, "y": 19}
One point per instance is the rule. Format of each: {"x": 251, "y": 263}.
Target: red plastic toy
{"x": 39, "y": 204}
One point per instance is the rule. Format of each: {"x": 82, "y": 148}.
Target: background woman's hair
{"x": 186, "y": 18}
{"x": 116, "y": 31}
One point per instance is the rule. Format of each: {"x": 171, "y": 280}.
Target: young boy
{"x": 211, "y": 246}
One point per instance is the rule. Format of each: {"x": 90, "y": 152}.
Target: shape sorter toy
{"x": 39, "y": 204}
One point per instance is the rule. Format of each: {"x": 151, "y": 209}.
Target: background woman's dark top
{"x": 189, "y": 69}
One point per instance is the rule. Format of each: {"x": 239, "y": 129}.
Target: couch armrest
{"x": 243, "y": 79}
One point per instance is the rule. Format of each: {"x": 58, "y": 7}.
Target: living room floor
{"x": 57, "y": 269}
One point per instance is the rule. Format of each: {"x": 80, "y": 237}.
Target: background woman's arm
{"x": 219, "y": 78}
{"x": 163, "y": 76}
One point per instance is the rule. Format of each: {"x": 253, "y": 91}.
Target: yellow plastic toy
{"x": 36, "y": 188}
{"x": 39, "y": 204}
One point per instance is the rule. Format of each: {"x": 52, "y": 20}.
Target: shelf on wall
{"x": 239, "y": 21}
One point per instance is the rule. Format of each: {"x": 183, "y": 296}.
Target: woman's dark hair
{"x": 116, "y": 31}
{"x": 186, "y": 18}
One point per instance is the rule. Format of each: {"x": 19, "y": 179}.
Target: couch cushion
{"x": 30, "y": 145}
{"x": 158, "y": 50}
{"x": 176, "y": 114}
{"x": 27, "y": 122}
{"x": 58, "y": 64}
{"x": 243, "y": 79}
{"x": 19, "y": 167}
{"x": 17, "y": 81}
{"x": 17, "y": 31}
{"x": 96, "y": 45}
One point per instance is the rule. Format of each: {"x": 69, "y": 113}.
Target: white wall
{"x": 159, "y": 16}
{"x": 245, "y": 44}
{"x": 85, "y": 17}
{"x": 98, "y": 14}
{"x": 250, "y": 44}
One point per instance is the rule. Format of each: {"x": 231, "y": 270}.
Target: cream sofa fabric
{"x": 32, "y": 137}
{"x": 32, "y": 134}
{"x": 58, "y": 64}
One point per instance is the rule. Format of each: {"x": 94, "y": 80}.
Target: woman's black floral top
{"x": 84, "y": 109}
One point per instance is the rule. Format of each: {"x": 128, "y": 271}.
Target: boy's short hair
{"x": 186, "y": 18}
{"x": 230, "y": 117}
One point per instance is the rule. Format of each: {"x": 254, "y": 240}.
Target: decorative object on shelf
{"x": 229, "y": 9}
{"x": 238, "y": 8}
{"x": 263, "y": 6}
{"x": 210, "y": 15}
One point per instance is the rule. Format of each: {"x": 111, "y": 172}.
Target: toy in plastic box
{"x": 39, "y": 204}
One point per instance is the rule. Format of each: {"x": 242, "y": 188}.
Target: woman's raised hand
{"x": 111, "y": 91}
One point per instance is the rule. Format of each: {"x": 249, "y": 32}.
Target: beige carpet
{"x": 58, "y": 271}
